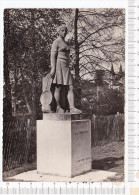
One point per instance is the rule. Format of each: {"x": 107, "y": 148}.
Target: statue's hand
{"x": 45, "y": 73}
{"x": 52, "y": 73}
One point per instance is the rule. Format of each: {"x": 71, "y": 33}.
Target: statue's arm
{"x": 53, "y": 59}
{"x": 53, "y": 63}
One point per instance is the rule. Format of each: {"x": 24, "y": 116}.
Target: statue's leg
{"x": 57, "y": 98}
{"x": 73, "y": 110}
{"x": 71, "y": 97}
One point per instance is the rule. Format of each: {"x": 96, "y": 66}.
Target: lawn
{"x": 109, "y": 157}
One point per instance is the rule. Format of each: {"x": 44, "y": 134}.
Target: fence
{"x": 105, "y": 129}
{"x": 19, "y": 137}
{"x": 19, "y": 143}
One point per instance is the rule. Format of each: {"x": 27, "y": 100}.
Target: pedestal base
{"x": 63, "y": 146}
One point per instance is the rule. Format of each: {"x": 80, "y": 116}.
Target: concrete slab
{"x": 61, "y": 117}
{"x": 92, "y": 176}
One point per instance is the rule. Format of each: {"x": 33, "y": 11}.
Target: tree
{"x": 99, "y": 39}
{"x": 99, "y": 42}
{"x": 29, "y": 38}
{"x": 7, "y": 87}
{"x": 96, "y": 37}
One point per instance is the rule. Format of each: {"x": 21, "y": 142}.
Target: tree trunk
{"x": 34, "y": 69}
{"x": 76, "y": 46}
{"x": 14, "y": 102}
{"x": 24, "y": 94}
{"x": 77, "y": 76}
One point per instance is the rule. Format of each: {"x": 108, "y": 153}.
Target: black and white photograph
{"x": 64, "y": 95}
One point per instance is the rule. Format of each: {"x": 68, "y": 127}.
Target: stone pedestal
{"x": 63, "y": 145}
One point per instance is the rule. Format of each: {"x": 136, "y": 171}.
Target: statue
{"x": 59, "y": 75}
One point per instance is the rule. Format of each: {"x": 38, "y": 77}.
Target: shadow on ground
{"x": 106, "y": 163}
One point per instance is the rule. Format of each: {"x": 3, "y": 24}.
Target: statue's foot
{"x": 75, "y": 111}
{"x": 59, "y": 110}
{"x": 45, "y": 110}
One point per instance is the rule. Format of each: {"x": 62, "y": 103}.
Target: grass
{"x": 108, "y": 157}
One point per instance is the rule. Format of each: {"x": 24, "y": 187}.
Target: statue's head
{"x": 62, "y": 30}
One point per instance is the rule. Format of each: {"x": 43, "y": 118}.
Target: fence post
{"x": 28, "y": 134}
{"x": 118, "y": 125}
{"x": 94, "y": 127}
{"x": 94, "y": 117}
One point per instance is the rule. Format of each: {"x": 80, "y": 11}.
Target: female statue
{"x": 60, "y": 72}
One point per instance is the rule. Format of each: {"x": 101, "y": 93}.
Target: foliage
{"x": 98, "y": 43}
{"x": 30, "y": 35}
{"x": 101, "y": 100}
{"x": 100, "y": 39}
{"x": 96, "y": 37}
